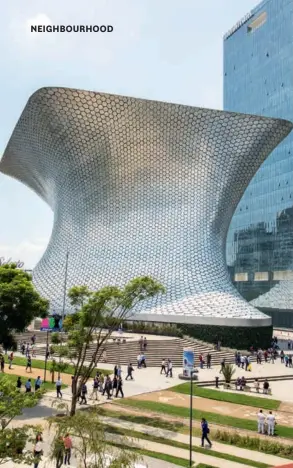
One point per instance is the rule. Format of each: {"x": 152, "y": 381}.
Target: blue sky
{"x": 160, "y": 49}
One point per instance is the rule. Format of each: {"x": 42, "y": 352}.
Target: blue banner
{"x": 188, "y": 361}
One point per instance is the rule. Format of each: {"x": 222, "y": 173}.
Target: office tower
{"x": 258, "y": 79}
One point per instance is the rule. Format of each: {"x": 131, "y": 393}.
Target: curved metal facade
{"x": 137, "y": 188}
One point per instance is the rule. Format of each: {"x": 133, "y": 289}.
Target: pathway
{"x": 184, "y": 421}
{"x": 213, "y": 406}
{"x": 221, "y": 448}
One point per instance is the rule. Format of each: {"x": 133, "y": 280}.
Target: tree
{"x": 99, "y": 313}
{"x": 12, "y": 404}
{"x": 92, "y": 446}
{"x": 20, "y": 303}
{"x": 228, "y": 372}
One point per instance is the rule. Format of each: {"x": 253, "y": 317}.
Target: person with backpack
{"x": 83, "y": 394}
{"x": 204, "y": 432}
{"x": 95, "y": 391}
{"x": 29, "y": 364}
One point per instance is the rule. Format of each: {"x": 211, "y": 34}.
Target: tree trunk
{"x": 73, "y": 405}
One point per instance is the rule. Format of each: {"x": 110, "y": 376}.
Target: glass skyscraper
{"x": 258, "y": 79}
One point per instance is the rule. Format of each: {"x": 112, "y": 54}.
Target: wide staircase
{"x": 124, "y": 349}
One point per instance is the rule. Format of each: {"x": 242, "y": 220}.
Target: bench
{"x": 246, "y": 388}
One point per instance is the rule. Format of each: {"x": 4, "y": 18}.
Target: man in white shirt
{"x": 261, "y": 422}
{"x": 271, "y": 421}
{"x": 58, "y": 388}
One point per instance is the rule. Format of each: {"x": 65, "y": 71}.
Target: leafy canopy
{"x": 98, "y": 314}
{"x": 20, "y": 303}
{"x": 12, "y": 404}
{"x": 91, "y": 445}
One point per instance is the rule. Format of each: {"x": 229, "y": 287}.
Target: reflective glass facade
{"x": 258, "y": 79}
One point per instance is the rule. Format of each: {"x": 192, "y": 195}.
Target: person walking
{"x": 10, "y": 359}
{"x": 170, "y": 368}
{"x": 18, "y": 383}
{"x": 223, "y": 363}
{"x": 68, "y": 448}
{"x": 119, "y": 387}
{"x": 271, "y": 422}
{"x": 58, "y": 388}
{"x": 163, "y": 367}
{"x": 38, "y": 450}
{"x": 108, "y": 387}
{"x": 209, "y": 359}
{"x": 2, "y": 364}
{"x": 59, "y": 451}
{"x": 95, "y": 390}
{"x": 28, "y": 386}
{"x": 38, "y": 383}
{"x": 83, "y": 394}
{"x": 204, "y": 432}
{"x": 260, "y": 422}
{"x": 29, "y": 364}
{"x": 129, "y": 372}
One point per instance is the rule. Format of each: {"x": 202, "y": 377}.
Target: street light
{"x": 46, "y": 356}
{"x": 192, "y": 372}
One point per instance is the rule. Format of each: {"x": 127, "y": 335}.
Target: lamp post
{"x": 46, "y": 356}
{"x": 64, "y": 304}
{"x": 192, "y": 371}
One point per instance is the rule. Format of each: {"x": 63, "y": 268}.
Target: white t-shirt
{"x": 58, "y": 383}
{"x": 39, "y": 446}
{"x": 271, "y": 419}
{"x": 261, "y": 417}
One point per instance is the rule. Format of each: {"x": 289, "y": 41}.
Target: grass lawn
{"x": 229, "y": 438}
{"x": 238, "y": 398}
{"x": 39, "y": 364}
{"x": 159, "y": 456}
{"x": 238, "y": 423}
{"x": 201, "y": 465}
{"x": 173, "y": 443}
{"x": 46, "y": 386}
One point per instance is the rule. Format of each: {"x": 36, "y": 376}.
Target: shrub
{"x": 228, "y": 372}
{"x": 255, "y": 443}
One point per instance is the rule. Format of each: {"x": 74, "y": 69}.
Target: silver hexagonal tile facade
{"x": 141, "y": 187}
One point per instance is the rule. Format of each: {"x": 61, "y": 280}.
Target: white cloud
{"x": 28, "y": 251}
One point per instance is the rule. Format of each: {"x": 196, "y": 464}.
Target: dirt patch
{"x": 21, "y": 372}
{"x": 212, "y": 406}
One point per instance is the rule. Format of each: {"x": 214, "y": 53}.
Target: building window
{"x": 257, "y": 22}
{"x": 261, "y": 276}
{"x": 241, "y": 277}
{"x": 285, "y": 275}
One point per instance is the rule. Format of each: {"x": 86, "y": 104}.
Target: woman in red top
{"x": 68, "y": 447}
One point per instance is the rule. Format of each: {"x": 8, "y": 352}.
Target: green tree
{"x": 91, "y": 444}
{"x": 12, "y": 404}
{"x": 99, "y": 314}
{"x": 20, "y": 303}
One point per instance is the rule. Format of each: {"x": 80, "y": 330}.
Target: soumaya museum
{"x": 199, "y": 199}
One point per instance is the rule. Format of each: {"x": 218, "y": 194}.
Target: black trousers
{"x": 204, "y": 437}
{"x": 129, "y": 375}
{"x": 119, "y": 389}
{"x": 163, "y": 369}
